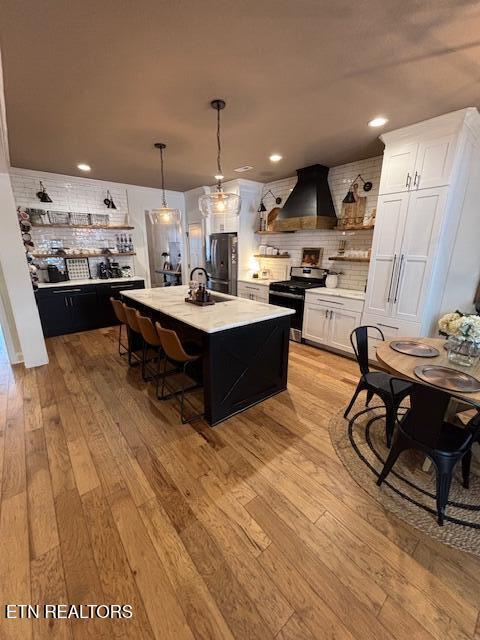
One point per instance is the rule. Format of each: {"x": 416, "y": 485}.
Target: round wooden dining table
{"x": 404, "y": 365}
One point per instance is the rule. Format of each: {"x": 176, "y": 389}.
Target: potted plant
{"x": 463, "y": 331}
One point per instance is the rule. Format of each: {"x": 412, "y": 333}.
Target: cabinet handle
{"x": 408, "y": 181}
{"x": 399, "y": 276}
{"x": 331, "y": 314}
{"x": 391, "y": 278}
{"x": 330, "y": 301}
{"x": 326, "y": 313}
{"x": 388, "y": 326}
{"x": 415, "y": 179}
{"x": 121, "y": 286}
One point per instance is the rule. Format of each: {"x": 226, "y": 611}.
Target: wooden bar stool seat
{"x": 119, "y": 311}
{"x": 175, "y": 353}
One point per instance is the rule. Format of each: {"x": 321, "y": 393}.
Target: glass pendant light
{"x": 164, "y": 215}
{"x": 218, "y": 201}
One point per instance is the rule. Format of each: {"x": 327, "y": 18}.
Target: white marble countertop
{"x": 264, "y": 282}
{"x": 337, "y": 292}
{"x": 235, "y": 312}
{"x": 78, "y": 283}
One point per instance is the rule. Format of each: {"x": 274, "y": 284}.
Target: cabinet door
{"x": 398, "y": 168}
{"x": 316, "y": 323}
{"x": 422, "y": 230}
{"x": 342, "y": 323}
{"x": 387, "y": 243}
{"x": 434, "y": 163}
{"x": 54, "y": 313}
{"x": 84, "y": 311}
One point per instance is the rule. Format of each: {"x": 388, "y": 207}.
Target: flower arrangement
{"x": 463, "y": 331}
{"x": 465, "y": 327}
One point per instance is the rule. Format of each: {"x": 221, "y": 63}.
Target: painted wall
{"x": 18, "y": 310}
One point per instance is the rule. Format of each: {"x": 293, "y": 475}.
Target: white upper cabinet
{"x": 409, "y": 166}
{"x": 434, "y": 163}
{"x": 386, "y": 250}
{"x": 398, "y": 167}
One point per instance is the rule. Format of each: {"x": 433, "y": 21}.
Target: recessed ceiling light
{"x": 84, "y": 167}
{"x": 378, "y": 122}
{"x": 246, "y": 167}
{"x": 275, "y": 157}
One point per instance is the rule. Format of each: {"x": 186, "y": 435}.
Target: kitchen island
{"x": 244, "y": 344}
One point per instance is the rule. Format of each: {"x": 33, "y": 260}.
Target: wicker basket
{"x": 37, "y": 216}
{"x": 100, "y": 219}
{"x": 59, "y": 217}
{"x": 80, "y": 218}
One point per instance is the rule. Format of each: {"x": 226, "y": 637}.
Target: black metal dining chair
{"x": 375, "y": 382}
{"x": 423, "y": 428}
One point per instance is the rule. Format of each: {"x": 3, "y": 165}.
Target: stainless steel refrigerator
{"x": 222, "y": 262}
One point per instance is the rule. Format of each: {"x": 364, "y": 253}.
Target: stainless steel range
{"x": 291, "y": 294}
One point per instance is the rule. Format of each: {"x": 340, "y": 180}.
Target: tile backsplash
{"x": 354, "y": 274}
{"x": 77, "y": 196}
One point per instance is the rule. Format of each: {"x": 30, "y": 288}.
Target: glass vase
{"x": 462, "y": 351}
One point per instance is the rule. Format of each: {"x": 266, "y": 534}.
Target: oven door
{"x": 290, "y": 301}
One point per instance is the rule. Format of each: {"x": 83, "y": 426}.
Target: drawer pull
{"x": 330, "y": 301}
{"x": 67, "y": 291}
{"x": 121, "y": 286}
{"x": 389, "y": 326}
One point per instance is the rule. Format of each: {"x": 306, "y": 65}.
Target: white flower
{"x": 465, "y": 327}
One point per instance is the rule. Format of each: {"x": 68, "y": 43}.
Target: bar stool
{"x": 134, "y": 334}
{"x": 151, "y": 339}
{"x": 175, "y": 354}
{"x": 119, "y": 310}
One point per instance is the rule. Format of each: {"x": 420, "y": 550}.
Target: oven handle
{"x": 282, "y": 294}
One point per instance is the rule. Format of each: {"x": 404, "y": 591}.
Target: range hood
{"x": 310, "y": 205}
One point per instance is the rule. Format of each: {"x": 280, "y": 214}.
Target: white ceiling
{"x": 100, "y": 82}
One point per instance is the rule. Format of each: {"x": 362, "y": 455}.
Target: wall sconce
{"x": 262, "y": 208}
{"x": 108, "y": 202}
{"x": 42, "y": 195}
{"x": 350, "y": 198}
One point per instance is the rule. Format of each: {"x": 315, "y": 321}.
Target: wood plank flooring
{"x": 251, "y": 530}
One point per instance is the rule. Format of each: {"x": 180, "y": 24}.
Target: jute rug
{"x": 408, "y": 492}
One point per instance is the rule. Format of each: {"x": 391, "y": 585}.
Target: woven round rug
{"x": 408, "y": 492}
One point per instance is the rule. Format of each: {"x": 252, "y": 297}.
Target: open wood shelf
{"x": 83, "y": 226}
{"x": 355, "y": 227}
{"x": 268, "y": 233}
{"x": 258, "y": 255}
{"x": 347, "y": 259}
{"x": 84, "y": 255}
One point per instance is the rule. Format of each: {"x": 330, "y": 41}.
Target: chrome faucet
{"x": 201, "y": 269}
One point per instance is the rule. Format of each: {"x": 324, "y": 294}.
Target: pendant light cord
{"x": 219, "y": 152}
{"x": 164, "y": 203}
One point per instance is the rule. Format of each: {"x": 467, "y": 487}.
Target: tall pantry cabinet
{"x": 426, "y": 245}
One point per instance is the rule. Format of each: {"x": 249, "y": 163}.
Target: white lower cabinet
{"x": 330, "y": 322}
{"x": 391, "y": 329}
{"x": 257, "y": 292}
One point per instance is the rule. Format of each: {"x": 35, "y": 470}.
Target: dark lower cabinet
{"x": 67, "y": 309}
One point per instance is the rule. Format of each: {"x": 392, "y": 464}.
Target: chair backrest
{"x": 119, "y": 310}
{"x": 132, "y": 321}
{"x": 148, "y": 331}
{"x": 359, "y": 340}
{"x": 423, "y": 421}
{"x": 171, "y": 344}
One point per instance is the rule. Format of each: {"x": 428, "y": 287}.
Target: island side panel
{"x": 245, "y": 365}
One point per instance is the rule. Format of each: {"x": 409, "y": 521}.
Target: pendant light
{"x": 218, "y": 201}
{"x": 164, "y": 215}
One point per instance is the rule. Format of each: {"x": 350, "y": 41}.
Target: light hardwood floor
{"x": 249, "y": 530}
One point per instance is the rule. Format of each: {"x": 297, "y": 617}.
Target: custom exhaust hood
{"x": 310, "y": 205}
